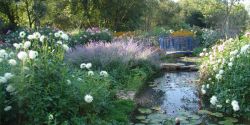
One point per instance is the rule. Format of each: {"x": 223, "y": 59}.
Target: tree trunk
{"x": 28, "y": 13}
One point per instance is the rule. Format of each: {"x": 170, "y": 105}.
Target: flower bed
{"x": 224, "y": 75}
{"x": 37, "y": 86}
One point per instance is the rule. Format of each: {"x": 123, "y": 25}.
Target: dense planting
{"x": 39, "y": 87}
{"x": 129, "y": 62}
{"x": 224, "y": 75}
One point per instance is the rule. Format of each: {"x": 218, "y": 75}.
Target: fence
{"x": 170, "y": 43}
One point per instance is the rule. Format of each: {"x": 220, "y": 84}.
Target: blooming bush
{"x": 123, "y": 59}
{"x": 91, "y": 34}
{"x": 210, "y": 37}
{"x": 17, "y": 37}
{"x": 38, "y": 87}
{"x": 224, "y": 76}
{"x": 82, "y": 37}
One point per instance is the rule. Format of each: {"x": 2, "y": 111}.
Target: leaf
{"x": 141, "y": 117}
{"x": 234, "y": 120}
{"x": 204, "y": 112}
{"x": 217, "y": 114}
{"x": 226, "y": 123}
{"x": 194, "y": 117}
{"x": 145, "y": 110}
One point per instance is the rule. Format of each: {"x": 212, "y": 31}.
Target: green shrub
{"x": 225, "y": 76}
{"x": 91, "y": 34}
{"x": 38, "y": 87}
{"x": 130, "y": 63}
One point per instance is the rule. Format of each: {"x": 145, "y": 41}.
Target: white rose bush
{"x": 226, "y": 69}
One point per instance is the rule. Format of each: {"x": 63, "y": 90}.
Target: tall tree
{"x": 9, "y": 9}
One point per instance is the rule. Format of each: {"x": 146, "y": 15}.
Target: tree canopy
{"x": 124, "y": 15}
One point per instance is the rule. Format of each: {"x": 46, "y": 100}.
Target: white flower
{"x": 68, "y": 82}
{"x": 17, "y": 46}
{"x": 65, "y": 47}
{"x": 90, "y": 73}
{"x": 42, "y": 38}
{"x": 3, "y": 54}
{"x": 230, "y": 64}
{"x": 36, "y": 35}
{"x": 214, "y": 68}
{"x": 221, "y": 72}
{"x": 221, "y": 48}
{"x": 65, "y": 36}
{"x": 22, "y": 55}
{"x": 244, "y": 48}
{"x": 206, "y": 54}
{"x": 33, "y": 54}
{"x": 59, "y": 42}
{"x": 31, "y": 37}
{"x": 7, "y": 108}
{"x": 202, "y": 54}
{"x": 218, "y": 76}
{"x": 57, "y": 34}
{"x": 51, "y": 117}
{"x": 88, "y": 65}
{"x": 227, "y": 101}
{"x": 10, "y": 88}
{"x": 8, "y": 75}
{"x": 219, "y": 106}
{"x": 209, "y": 79}
{"x": 22, "y": 34}
{"x": 60, "y": 33}
{"x": 104, "y": 73}
{"x": 213, "y": 100}
{"x": 79, "y": 79}
{"x": 219, "y": 61}
{"x": 2, "y": 51}
{"x": 231, "y": 59}
{"x": 235, "y": 52}
{"x": 27, "y": 44}
{"x": 208, "y": 86}
{"x": 88, "y": 98}
{"x": 203, "y": 91}
{"x": 3, "y": 79}
{"x": 235, "y": 105}
{"x": 12, "y": 62}
{"x": 83, "y": 65}
{"x": 203, "y": 86}
{"x": 205, "y": 49}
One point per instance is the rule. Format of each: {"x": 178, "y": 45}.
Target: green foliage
{"x": 159, "y": 31}
{"x": 40, "y": 88}
{"x": 120, "y": 111}
{"x": 226, "y": 70}
{"x": 80, "y": 37}
{"x": 196, "y": 19}
{"x": 209, "y": 37}
{"x": 125, "y": 15}
{"x": 84, "y": 37}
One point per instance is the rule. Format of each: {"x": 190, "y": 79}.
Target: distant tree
{"x": 35, "y": 10}
{"x": 9, "y": 8}
{"x": 196, "y": 19}
{"x": 122, "y": 14}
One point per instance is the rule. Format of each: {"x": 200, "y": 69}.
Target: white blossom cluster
{"x": 220, "y": 62}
